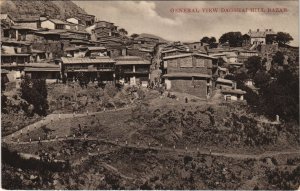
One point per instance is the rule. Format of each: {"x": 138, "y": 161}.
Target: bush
{"x": 110, "y": 90}
{"x": 35, "y": 93}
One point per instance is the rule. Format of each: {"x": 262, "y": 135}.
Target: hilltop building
{"x": 260, "y": 36}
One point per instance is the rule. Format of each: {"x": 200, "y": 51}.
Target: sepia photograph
{"x": 150, "y": 95}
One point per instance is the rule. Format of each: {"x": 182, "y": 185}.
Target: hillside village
{"x": 184, "y": 113}
{"x": 58, "y": 50}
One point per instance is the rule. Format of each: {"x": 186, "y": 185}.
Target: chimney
{"x": 249, "y": 30}
{"x": 257, "y": 30}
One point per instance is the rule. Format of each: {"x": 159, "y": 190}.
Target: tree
{"x": 261, "y": 79}
{"x": 253, "y": 64}
{"x": 205, "y": 39}
{"x": 123, "y": 32}
{"x": 134, "y": 35}
{"x": 208, "y": 40}
{"x": 83, "y": 79}
{"x": 234, "y": 38}
{"x": 278, "y": 58}
{"x": 281, "y": 97}
{"x": 212, "y": 40}
{"x": 35, "y": 93}
{"x": 270, "y": 38}
{"x": 284, "y": 38}
{"x": 246, "y": 39}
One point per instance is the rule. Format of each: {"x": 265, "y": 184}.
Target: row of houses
{"x": 55, "y": 49}
{"x": 197, "y": 69}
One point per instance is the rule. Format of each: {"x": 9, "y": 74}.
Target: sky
{"x": 163, "y": 18}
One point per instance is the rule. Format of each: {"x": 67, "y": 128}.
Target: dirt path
{"x": 192, "y": 151}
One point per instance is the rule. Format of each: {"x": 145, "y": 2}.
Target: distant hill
{"x": 153, "y": 36}
{"x": 54, "y": 9}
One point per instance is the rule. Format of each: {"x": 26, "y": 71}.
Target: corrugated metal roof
{"x": 57, "y": 21}
{"x": 131, "y": 60}
{"x": 37, "y": 51}
{"x": 96, "y": 48}
{"x": 186, "y": 55}
{"x": 230, "y": 91}
{"x": 42, "y": 65}
{"x": 30, "y": 69}
{"x": 18, "y": 27}
{"x": 71, "y": 49}
{"x": 102, "y": 59}
{"x": 224, "y": 81}
{"x": 15, "y": 54}
{"x": 185, "y": 74}
{"x": 177, "y": 56}
{"x": 4, "y": 71}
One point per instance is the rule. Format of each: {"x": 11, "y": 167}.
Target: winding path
{"x": 191, "y": 151}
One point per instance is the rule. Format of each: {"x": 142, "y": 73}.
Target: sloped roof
{"x": 37, "y": 51}
{"x": 41, "y": 65}
{"x": 131, "y": 60}
{"x": 71, "y": 49}
{"x": 15, "y": 54}
{"x": 4, "y": 71}
{"x": 174, "y": 50}
{"x": 57, "y": 21}
{"x": 145, "y": 50}
{"x": 224, "y": 81}
{"x": 22, "y": 27}
{"x": 96, "y": 48}
{"x": 257, "y": 34}
{"x": 236, "y": 91}
{"x": 102, "y": 59}
{"x": 189, "y": 54}
{"x": 24, "y": 18}
{"x": 185, "y": 74}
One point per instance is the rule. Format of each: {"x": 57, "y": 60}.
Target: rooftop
{"x": 173, "y": 50}
{"x": 189, "y": 54}
{"x": 184, "y": 74}
{"x": 102, "y": 59}
{"x": 260, "y": 33}
{"x": 4, "y": 71}
{"x": 18, "y": 27}
{"x": 236, "y": 91}
{"x": 24, "y": 18}
{"x": 42, "y": 65}
{"x": 224, "y": 81}
{"x": 57, "y": 21}
{"x": 96, "y": 48}
{"x": 131, "y": 60}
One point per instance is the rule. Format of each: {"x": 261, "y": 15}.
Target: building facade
{"x": 189, "y": 73}
{"x": 133, "y": 70}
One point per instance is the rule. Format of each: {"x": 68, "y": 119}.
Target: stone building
{"x": 189, "y": 73}
{"x": 260, "y": 36}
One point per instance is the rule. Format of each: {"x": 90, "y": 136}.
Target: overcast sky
{"x": 155, "y": 17}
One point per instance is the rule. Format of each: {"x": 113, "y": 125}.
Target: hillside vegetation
{"x": 55, "y": 9}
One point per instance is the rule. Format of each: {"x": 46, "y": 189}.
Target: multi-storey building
{"x": 189, "y": 73}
